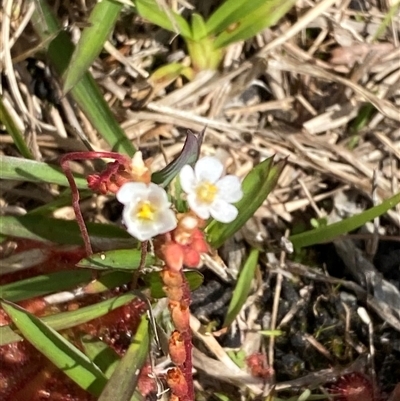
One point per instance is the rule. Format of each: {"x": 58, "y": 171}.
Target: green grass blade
{"x": 65, "y": 320}
{"x": 328, "y": 233}
{"x": 107, "y": 281}
{"x": 63, "y": 200}
{"x": 123, "y": 382}
{"x": 73, "y": 362}
{"x": 86, "y": 92}
{"x": 199, "y": 29}
{"x": 102, "y": 20}
{"x": 13, "y": 130}
{"x": 243, "y": 287}
{"x": 101, "y": 354}
{"x": 256, "y": 187}
{"x": 119, "y": 259}
{"x": 229, "y": 13}
{"x": 253, "y": 23}
{"x": 167, "y": 19}
{"x": 16, "y": 168}
{"x": 386, "y": 21}
{"x": 66, "y": 232}
{"x": 44, "y": 284}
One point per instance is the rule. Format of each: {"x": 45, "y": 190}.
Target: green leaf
{"x": 154, "y": 282}
{"x": 13, "y": 130}
{"x": 332, "y": 231}
{"x": 256, "y": 186}
{"x": 189, "y": 155}
{"x": 101, "y": 354}
{"x": 44, "y": 284}
{"x": 86, "y": 92}
{"x": 107, "y": 281}
{"x": 16, "y": 168}
{"x": 168, "y": 73}
{"x": 203, "y": 54}
{"x": 164, "y": 18}
{"x": 63, "y": 200}
{"x": 65, "y": 320}
{"x": 253, "y": 23}
{"x": 243, "y": 287}
{"x": 120, "y": 259}
{"x": 67, "y": 232}
{"x": 272, "y": 333}
{"x": 57, "y": 349}
{"x": 199, "y": 29}
{"x": 123, "y": 382}
{"x": 101, "y": 23}
{"x": 230, "y": 12}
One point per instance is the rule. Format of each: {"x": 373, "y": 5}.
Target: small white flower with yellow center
{"x": 146, "y": 211}
{"x": 208, "y": 193}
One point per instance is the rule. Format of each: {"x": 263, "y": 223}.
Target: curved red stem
{"x": 64, "y": 162}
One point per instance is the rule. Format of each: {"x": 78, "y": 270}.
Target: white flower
{"x": 208, "y": 193}
{"x": 146, "y": 211}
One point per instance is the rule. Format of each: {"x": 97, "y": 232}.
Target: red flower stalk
{"x": 183, "y": 246}
{"x": 110, "y": 180}
{"x": 118, "y": 173}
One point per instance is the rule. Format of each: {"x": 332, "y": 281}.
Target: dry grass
{"x": 294, "y": 91}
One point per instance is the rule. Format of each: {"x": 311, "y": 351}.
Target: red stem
{"x": 64, "y": 162}
{"x": 187, "y": 367}
{"x": 75, "y": 204}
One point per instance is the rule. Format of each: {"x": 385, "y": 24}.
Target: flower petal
{"x": 230, "y": 189}
{"x": 135, "y": 227}
{"x": 201, "y": 209}
{"x": 187, "y": 178}
{"x": 144, "y": 232}
{"x": 223, "y": 211}
{"x": 209, "y": 169}
{"x": 131, "y": 191}
{"x": 165, "y": 221}
{"x": 157, "y": 196}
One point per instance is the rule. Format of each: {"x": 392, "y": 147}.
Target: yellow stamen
{"x": 145, "y": 211}
{"x": 206, "y": 192}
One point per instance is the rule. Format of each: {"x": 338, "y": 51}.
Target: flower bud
{"x": 177, "y": 382}
{"x": 177, "y": 349}
{"x": 173, "y": 256}
{"x": 191, "y": 258}
{"x": 180, "y": 315}
{"x": 171, "y": 278}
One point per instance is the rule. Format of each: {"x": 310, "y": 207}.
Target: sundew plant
{"x": 212, "y": 206}
{"x": 88, "y": 312}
